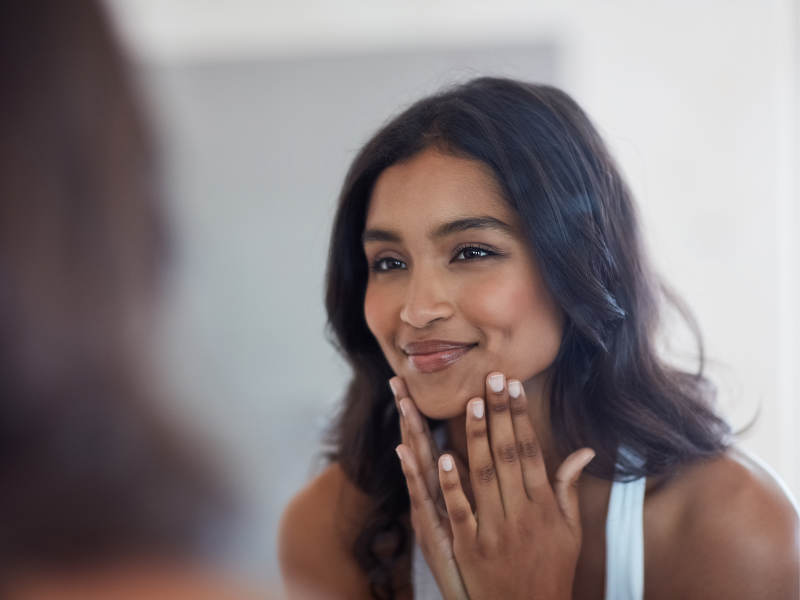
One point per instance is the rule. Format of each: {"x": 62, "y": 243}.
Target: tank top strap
{"x": 625, "y": 541}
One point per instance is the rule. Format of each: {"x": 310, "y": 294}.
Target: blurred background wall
{"x": 260, "y": 106}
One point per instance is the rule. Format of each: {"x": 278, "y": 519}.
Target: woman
{"x": 487, "y": 263}
{"x": 99, "y": 498}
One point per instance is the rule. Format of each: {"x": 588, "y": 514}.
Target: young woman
{"x": 488, "y": 284}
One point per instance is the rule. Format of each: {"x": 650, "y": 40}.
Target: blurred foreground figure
{"x": 98, "y": 499}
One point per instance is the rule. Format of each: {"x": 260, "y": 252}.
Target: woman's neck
{"x": 537, "y": 391}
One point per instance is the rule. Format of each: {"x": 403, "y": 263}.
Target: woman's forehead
{"x": 433, "y": 188}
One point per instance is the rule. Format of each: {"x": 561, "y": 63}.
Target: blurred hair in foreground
{"x": 90, "y": 478}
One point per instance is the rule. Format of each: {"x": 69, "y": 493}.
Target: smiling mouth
{"x": 430, "y": 356}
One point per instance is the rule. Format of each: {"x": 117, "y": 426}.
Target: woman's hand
{"x": 419, "y": 456}
{"x": 525, "y": 536}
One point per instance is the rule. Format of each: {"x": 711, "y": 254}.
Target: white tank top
{"x": 624, "y": 548}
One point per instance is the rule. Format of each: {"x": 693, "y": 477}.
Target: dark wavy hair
{"x": 610, "y": 387}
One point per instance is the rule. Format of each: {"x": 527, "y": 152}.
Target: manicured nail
{"x": 496, "y": 383}
{"x": 394, "y": 389}
{"x": 477, "y": 409}
{"x": 514, "y": 389}
{"x": 398, "y": 453}
{"x": 402, "y": 410}
{"x": 447, "y": 463}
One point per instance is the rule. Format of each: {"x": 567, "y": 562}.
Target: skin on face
{"x": 449, "y": 262}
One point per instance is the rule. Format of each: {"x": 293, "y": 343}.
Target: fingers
{"x": 534, "y": 474}
{"x": 416, "y": 435}
{"x": 482, "y": 471}
{"x": 420, "y": 440}
{"x": 566, "y": 486}
{"x": 399, "y": 389}
{"x": 423, "y": 509}
{"x": 463, "y": 474}
{"x": 503, "y": 443}
{"x": 432, "y": 533}
{"x": 462, "y": 521}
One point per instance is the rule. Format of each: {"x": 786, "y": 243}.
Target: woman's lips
{"x": 434, "y": 355}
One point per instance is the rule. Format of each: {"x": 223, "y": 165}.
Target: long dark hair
{"x": 610, "y": 387}
{"x": 88, "y": 468}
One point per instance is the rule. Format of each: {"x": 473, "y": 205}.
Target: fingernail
{"x": 402, "y": 410}
{"x": 394, "y": 389}
{"x": 477, "y": 409}
{"x": 514, "y": 389}
{"x": 496, "y": 383}
{"x": 398, "y": 453}
{"x": 447, "y": 463}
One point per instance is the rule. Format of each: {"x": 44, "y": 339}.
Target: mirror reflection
{"x": 394, "y": 301}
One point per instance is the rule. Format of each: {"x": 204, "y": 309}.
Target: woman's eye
{"x": 388, "y": 264}
{"x": 472, "y": 252}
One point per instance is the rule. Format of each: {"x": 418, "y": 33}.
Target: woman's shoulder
{"x": 317, "y": 532}
{"x": 725, "y": 524}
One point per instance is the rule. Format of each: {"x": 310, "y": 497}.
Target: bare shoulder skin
{"x": 317, "y": 531}
{"x": 722, "y": 528}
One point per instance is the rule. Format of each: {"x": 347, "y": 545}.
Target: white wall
{"x": 699, "y": 101}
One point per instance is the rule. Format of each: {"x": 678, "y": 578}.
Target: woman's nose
{"x": 426, "y": 301}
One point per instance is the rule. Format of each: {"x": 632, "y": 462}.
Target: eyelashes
{"x": 388, "y": 263}
{"x": 463, "y": 253}
{"x": 474, "y": 252}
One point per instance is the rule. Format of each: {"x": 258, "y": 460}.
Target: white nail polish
{"x": 496, "y": 383}
{"x": 447, "y": 463}
{"x": 477, "y": 409}
{"x": 514, "y": 389}
{"x": 402, "y": 410}
{"x": 394, "y": 390}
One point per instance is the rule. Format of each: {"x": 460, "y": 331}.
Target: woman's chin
{"x": 445, "y": 397}
{"x": 436, "y": 405}
{"x": 440, "y": 411}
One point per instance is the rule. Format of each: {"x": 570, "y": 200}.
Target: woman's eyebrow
{"x": 460, "y": 225}
{"x": 380, "y": 235}
{"x": 442, "y": 231}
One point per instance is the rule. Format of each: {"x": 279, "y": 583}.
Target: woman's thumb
{"x": 566, "y": 485}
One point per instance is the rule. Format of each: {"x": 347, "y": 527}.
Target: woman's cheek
{"x": 521, "y": 323}
{"x": 499, "y": 305}
{"x": 538, "y": 334}
{"x": 371, "y": 308}
{"x": 380, "y": 315}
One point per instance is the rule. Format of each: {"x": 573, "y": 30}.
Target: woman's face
{"x": 454, "y": 291}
